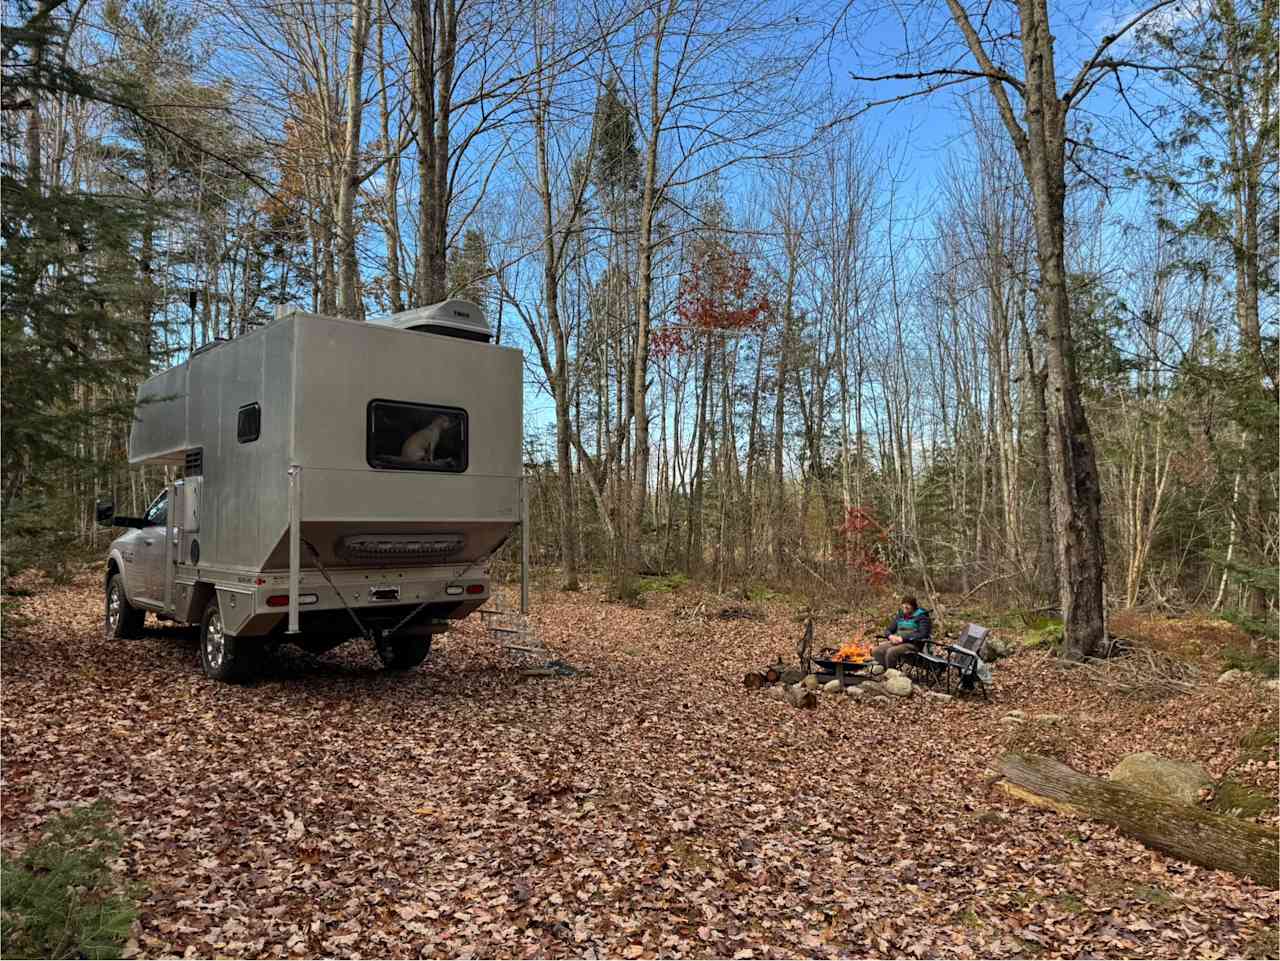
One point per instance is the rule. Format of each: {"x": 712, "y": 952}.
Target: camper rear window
{"x": 416, "y": 437}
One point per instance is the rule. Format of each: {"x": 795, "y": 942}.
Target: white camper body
{"x": 338, "y": 479}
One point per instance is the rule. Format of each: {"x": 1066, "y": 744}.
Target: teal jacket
{"x": 915, "y": 628}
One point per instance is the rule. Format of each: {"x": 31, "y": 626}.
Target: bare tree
{"x": 1039, "y": 135}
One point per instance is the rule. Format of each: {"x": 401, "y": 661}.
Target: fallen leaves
{"x": 650, "y": 807}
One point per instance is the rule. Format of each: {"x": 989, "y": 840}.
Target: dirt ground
{"x": 650, "y": 806}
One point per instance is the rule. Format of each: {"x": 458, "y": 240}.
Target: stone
{"x": 892, "y": 672}
{"x": 997, "y": 647}
{"x": 937, "y": 695}
{"x": 872, "y": 687}
{"x": 811, "y": 682}
{"x": 1017, "y": 715}
{"x": 877, "y": 669}
{"x": 881, "y": 699}
{"x": 1178, "y": 781}
{"x": 1050, "y": 719}
{"x": 1231, "y": 676}
{"x": 833, "y": 687}
{"x": 778, "y": 691}
{"x": 898, "y": 686}
{"x": 792, "y": 676}
{"x": 853, "y": 690}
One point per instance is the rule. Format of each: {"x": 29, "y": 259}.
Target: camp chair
{"x": 964, "y": 657}
{"x": 930, "y": 665}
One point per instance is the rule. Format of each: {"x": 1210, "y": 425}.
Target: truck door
{"x": 151, "y": 551}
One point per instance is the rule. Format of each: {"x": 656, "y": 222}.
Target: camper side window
{"x": 405, "y": 436}
{"x": 248, "y": 423}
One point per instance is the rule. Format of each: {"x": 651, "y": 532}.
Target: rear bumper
{"x": 257, "y": 604}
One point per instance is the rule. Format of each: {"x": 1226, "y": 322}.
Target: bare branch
{"x": 1082, "y": 77}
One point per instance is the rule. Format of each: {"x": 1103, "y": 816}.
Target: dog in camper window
{"x": 416, "y": 436}
{"x": 420, "y": 446}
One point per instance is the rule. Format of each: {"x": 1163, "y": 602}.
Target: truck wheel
{"x": 124, "y": 621}
{"x": 403, "y": 653}
{"x": 221, "y": 654}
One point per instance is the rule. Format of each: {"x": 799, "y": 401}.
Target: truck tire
{"x": 404, "y": 653}
{"x": 124, "y": 621}
{"x": 222, "y": 655}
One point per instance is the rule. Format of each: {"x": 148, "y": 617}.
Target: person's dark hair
{"x": 908, "y": 599}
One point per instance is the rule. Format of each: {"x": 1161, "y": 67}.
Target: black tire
{"x": 223, "y": 656}
{"x": 123, "y": 620}
{"x": 404, "y": 653}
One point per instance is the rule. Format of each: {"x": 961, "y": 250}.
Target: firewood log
{"x": 772, "y": 675}
{"x": 752, "y": 681}
{"x": 800, "y": 698}
{"x": 1182, "y": 831}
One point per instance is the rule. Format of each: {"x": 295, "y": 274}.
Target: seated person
{"x": 908, "y": 629}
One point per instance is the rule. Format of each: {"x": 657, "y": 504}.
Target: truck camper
{"x": 335, "y": 479}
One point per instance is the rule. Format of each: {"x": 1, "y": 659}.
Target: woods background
{"x": 757, "y": 350}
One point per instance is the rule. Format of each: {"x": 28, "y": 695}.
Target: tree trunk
{"x": 395, "y": 285}
{"x": 552, "y": 261}
{"x": 779, "y": 407}
{"x": 434, "y": 42}
{"x": 349, "y": 182}
{"x": 1182, "y": 831}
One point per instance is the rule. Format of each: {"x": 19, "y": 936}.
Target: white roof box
{"x": 452, "y": 318}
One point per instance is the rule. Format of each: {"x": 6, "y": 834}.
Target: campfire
{"x": 855, "y": 652}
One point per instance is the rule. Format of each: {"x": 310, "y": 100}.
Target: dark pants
{"x": 890, "y": 655}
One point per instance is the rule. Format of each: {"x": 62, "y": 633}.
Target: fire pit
{"x": 851, "y": 661}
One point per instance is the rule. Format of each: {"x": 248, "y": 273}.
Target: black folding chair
{"x": 930, "y": 665}
{"x": 964, "y": 657}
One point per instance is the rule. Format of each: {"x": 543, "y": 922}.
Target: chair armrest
{"x": 963, "y": 652}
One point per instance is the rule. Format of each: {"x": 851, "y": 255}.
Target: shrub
{"x": 59, "y": 899}
{"x": 1265, "y": 664}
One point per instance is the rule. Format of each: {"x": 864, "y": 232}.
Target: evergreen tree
{"x": 68, "y": 334}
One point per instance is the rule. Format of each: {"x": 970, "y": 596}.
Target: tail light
{"x": 475, "y": 588}
{"x": 282, "y": 600}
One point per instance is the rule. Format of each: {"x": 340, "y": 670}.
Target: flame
{"x": 855, "y": 651}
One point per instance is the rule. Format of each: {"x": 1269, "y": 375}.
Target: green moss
{"x": 660, "y": 583}
{"x": 1260, "y": 741}
{"x": 1069, "y": 902}
{"x": 1153, "y": 895}
{"x": 970, "y": 919}
{"x": 1048, "y": 635}
{"x": 1238, "y": 800}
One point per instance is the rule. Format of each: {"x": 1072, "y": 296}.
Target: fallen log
{"x": 772, "y": 675}
{"x": 1179, "y": 830}
{"x": 752, "y": 681}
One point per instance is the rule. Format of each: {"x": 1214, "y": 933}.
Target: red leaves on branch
{"x": 718, "y": 293}
{"x": 862, "y": 535}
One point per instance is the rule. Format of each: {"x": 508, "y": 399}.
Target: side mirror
{"x": 105, "y": 509}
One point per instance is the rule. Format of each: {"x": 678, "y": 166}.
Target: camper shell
{"x": 338, "y": 479}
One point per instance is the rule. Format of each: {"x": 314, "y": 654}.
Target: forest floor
{"x": 649, "y": 806}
